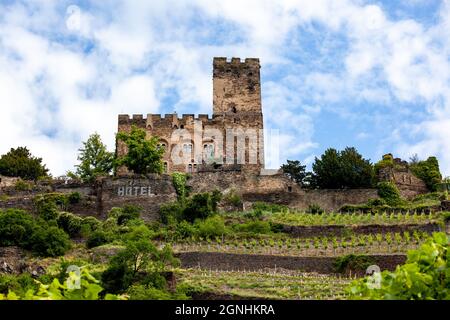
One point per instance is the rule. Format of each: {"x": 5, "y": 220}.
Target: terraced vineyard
{"x": 317, "y": 246}
{"x": 264, "y": 284}
{"x": 348, "y": 219}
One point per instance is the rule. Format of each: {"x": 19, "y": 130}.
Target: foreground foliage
{"x": 75, "y": 287}
{"x": 425, "y": 276}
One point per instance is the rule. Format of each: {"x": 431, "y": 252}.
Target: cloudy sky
{"x": 335, "y": 73}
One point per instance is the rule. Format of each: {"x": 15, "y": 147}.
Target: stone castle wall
{"x": 236, "y": 124}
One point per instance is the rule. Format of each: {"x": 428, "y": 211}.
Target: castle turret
{"x": 236, "y": 86}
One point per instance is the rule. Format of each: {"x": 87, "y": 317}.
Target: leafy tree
{"x": 20, "y": 163}
{"x": 344, "y": 169}
{"x": 139, "y": 256}
{"x": 144, "y": 155}
{"x": 356, "y": 172}
{"x": 424, "y": 276}
{"x": 95, "y": 160}
{"x": 428, "y": 171}
{"x": 295, "y": 171}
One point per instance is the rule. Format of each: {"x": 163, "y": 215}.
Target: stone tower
{"x": 232, "y": 139}
{"x": 236, "y": 86}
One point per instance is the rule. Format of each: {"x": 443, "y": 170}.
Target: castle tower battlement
{"x": 237, "y": 116}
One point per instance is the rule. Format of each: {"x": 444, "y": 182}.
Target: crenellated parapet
{"x": 170, "y": 120}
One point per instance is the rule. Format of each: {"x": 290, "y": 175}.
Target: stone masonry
{"x": 227, "y": 138}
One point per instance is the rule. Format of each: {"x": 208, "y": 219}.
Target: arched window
{"x": 165, "y": 167}
{"x": 208, "y": 151}
{"x": 187, "y": 148}
{"x": 190, "y": 168}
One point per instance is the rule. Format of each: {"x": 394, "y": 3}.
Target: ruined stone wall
{"x": 399, "y": 173}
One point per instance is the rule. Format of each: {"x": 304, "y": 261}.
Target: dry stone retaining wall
{"x": 230, "y": 261}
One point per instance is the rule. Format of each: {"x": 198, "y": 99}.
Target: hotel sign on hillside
{"x": 131, "y": 190}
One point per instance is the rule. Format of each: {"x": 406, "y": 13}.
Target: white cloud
{"x": 66, "y": 73}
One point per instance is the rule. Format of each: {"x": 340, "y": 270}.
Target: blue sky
{"x": 369, "y": 74}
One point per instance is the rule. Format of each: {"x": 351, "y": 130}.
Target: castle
{"x": 232, "y": 140}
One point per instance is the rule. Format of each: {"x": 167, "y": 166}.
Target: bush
{"x": 353, "y": 262}
{"x": 128, "y": 213}
{"x": 70, "y": 223}
{"x": 140, "y": 292}
{"x": 97, "y": 238}
{"x": 171, "y": 213}
{"x": 23, "y": 185}
{"x": 201, "y": 206}
{"x": 376, "y": 202}
{"x": 233, "y": 198}
{"x": 49, "y": 241}
{"x": 315, "y": 209}
{"x": 184, "y": 230}
{"x": 16, "y": 228}
{"x": 389, "y": 192}
{"x": 74, "y": 198}
{"x": 256, "y": 227}
{"x": 211, "y": 227}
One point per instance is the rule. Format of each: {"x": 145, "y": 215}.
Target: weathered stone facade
{"x": 400, "y": 174}
{"x": 232, "y": 136}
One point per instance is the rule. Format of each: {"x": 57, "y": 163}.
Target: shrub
{"x": 211, "y": 227}
{"x": 353, "y": 262}
{"x": 23, "y": 185}
{"x": 141, "y": 292}
{"x": 90, "y": 224}
{"x": 233, "y": 198}
{"x": 201, "y": 206}
{"x": 171, "y": 213}
{"x": 49, "y": 241}
{"x": 185, "y": 230}
{"x": 256, "y": 227}
{"x": 16, "y": 228}
{"x": 97, "y": 238}
{"x": 70, "y": 223}
{"x": 389, "y": 192}
{"x": 315, "y": 209}
{"x": 376, "y": 202}
{"x": 74, "y": 198}
{"x": 128, "y": 213}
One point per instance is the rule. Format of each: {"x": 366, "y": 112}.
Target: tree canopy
{"x": 144, "y": 155}
{"x": 21, "y": 163}
{"x": 95, "y": 160}
{"x": 342, "y": 169}
{"x": 295, "y": 171}
{"x": 428, "y": 171}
